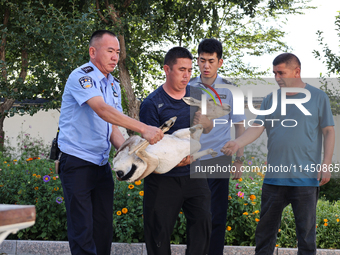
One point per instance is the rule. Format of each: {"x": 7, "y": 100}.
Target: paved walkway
{"x": 13, "y": 247}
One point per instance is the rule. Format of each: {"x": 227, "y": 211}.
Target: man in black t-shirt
{"x": 166, "y": 194}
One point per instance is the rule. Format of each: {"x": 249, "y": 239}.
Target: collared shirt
{"x": 83, "y": 133}
{"x": 220, "y": 134}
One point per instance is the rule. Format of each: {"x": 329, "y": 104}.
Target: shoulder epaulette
{"x": 116, "y": 79}
{"x": 87, "y": 69}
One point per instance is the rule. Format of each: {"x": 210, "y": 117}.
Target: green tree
{"x": 145, "y": 28}
{"x": 43, "y": 41}
{"x": 41, "y": 44}
{"x": 332, "y": 61}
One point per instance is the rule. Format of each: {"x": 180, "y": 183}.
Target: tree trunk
{"x": 5, "y": 106}
{"x": 124, "y": 76}
{"x": 125, "y": 81}
{"x": 8, "y": 103}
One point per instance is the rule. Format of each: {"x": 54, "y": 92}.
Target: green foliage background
{"x": 55, "y": 34}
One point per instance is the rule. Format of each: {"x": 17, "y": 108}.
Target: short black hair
{"x": 174, "y": 53}
{"x": 210, "y": 46}
{"x": 99, "y": 34}
{"x": 288, "y": 58}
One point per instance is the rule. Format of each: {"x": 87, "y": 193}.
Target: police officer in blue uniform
{"x": 209, "y": 61}
{"x": 90, "y": 112}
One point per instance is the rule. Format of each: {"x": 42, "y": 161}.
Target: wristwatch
{"x": 239, "y": 159}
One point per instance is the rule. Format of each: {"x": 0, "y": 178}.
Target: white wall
{"x": 42, "y": 124}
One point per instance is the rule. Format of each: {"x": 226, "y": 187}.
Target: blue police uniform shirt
{"x": 83, "y": 133}
{"x": 220, "y": 134}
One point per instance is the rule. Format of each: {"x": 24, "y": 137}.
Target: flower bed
{"x": 33, "y": 182}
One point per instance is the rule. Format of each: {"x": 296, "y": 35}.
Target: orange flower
{"x": 36, "y": 188}
{"x": 124, "y": 210}
{"x": 34, "y": 175}
{"x": 277, "y": 245}
{"x": 252, "y": 197}
{"x": 240, "y": 179}
{"x": 138, "y": 183}
{"x": 141, "y": 193}
{"x": 279, "y": 230}
{"x": 257, "y": 220}
{"x": 56, "y": 189}
{"x": 131, "y": 186}
{"x": 245, "y": 213}
{"x": 229, "y": 197}
{"x": 54, "y": 178}
{"x": 325, "y": 220}
{"x": 38, "y": 176}
{"x": 325, "y": 224}
{"x": 337, "y": 220}
{"x": 228, "y": 228}
{"x": 257, "y": 211}
{"x": 119, "y": 213}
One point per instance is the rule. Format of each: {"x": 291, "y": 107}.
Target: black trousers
{"x": 88, "y": 191}
{"x": 163, "y": 199}
{"x": 273, "y": 200}
{"x": 219, "y": 188}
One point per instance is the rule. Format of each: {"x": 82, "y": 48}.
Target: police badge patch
{"x": 86, "y": 82}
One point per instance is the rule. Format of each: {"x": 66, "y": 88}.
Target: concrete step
{"x": 23, "y": 247}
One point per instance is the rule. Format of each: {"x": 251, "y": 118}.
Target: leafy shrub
{"x": 244, "y": 210}
{"x": 128, "y": 212}
{"x": 33, "y": 182}
{"x": 331, "y": 191}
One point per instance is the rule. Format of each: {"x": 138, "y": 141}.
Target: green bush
{"x": 128, "y": 212}
{"x": 244, "y": 210}
{"x": 328, "y": 224}
{"x": 331, "y": 191}
{"x": 33, "y": 182}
